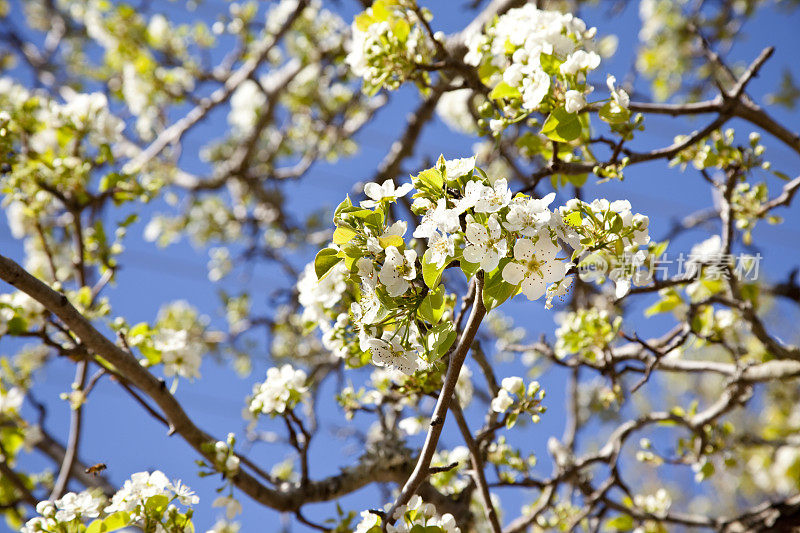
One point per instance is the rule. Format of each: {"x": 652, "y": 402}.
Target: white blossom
{"x": 574, "y": 101}
{"x": 283, "y": 389}
{"x": 397, "y": 270}
{"x": 486, "y": 245}
{"x": 440, "y": 219}
{"x": 11, "y": 400}
{"x": 455, "y": 168}
{"x": 534, "y": 88}
{"x": 580, "y": 60}
{"x": 391, "y": 353}
{"x": 384, "y": 193}
{"x": 453, "y": 109}
{"x": 493, "y": 199}
{"x": 620, "y": 99}
{"x": 534, "y": 266}
{"x": 441, "y": 247}
{"x": 502, "y": 401}
{"x": 529, "y": 216}
{"x": 180, "y": 355}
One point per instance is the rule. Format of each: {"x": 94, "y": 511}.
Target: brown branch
{"x": 175, "y": 132}
{"x": 477, "y": 466}
{"x": 457, "y": 358}
{"x": 75, "y": 426}
{"x": 288, "y": 498}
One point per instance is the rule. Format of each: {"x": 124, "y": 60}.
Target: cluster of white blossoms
{"x": 181, "y": 355}
{"x": 415, "y": 516}
{"x": 513, "y": 393}
{"x": 142, "y": 486}
{"x": 87, "y": 113}
{"x": 18, "y": 306}
{"x": 134, "y": 503}
{"x": 225, "y": 460}
{"x": 514, "y": 46}
{"x": 388, "y": 44}
{"x": 454, "y": 109}
{"x": 283, "y": 389}
{"x": 656, "y": 504}
{"x": 395, "y": 299}
{"x": 72, "y": 507}
{"x": 587, "y": 229}
{"x": 11, "y": 400}
{"x": 586, "y": 332}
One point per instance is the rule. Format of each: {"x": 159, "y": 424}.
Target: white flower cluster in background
{"x": 415, "y": 516}
{"x": 283, "y": 389}
{"x": 622, "y": 260}
{"x": 387, "y": 45}
{"x": 586, "y": 332}
{"x": 515, "y": 43}
{"x": 453, "y": 109}
{"x": 535, "y": 58}
{"x": 513, "y": 393}
{"x": 224, "y": 459}
{"x": 180, "y": 355}
{"x": 143, "y": 488}
{"x": 21, "y": 307}
{"x": 656, "y": 504}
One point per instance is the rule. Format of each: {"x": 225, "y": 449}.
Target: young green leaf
{"x": 561, "y": 126}
{"x": 326, "y": 259}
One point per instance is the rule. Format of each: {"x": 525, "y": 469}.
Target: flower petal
{"x": 513, "y": 273}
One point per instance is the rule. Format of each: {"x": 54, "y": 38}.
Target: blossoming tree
{"x": 411, "y": 314}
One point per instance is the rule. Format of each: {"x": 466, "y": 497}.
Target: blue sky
{"x": 121, "y": 435}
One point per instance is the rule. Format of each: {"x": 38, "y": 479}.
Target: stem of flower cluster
{"x": 457, "y": 357}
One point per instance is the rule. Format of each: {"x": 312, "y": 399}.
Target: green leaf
{"x": 659, "y": 248}
{"x": 495, "y": 289}
{"x": 619, "y": 247}
{"x": 363, "y": 21}
{"x": 486, "y": 71}
{"x": 511, "y": 420}
{"x": 380, "y": 10}
{"x": 578, "y": 180}
{"x": 156, "y": 504}
{"x": 504, "y": 90}
{"x": 432, "y": 306}
{"x": 620, "y": 117}
{"x": 139, "y": 329}
{"x": 16, "y": 326}
{"x": 430, "y": 272}
{"x": 617, "y": 224}
{"x": 561, "y": 126}
{"x": 431, "y": 179}
{"x": 391, "y": 240}
{"x": 469, "y": 269}
{"x": 550, "y": 63}
{"x": 112, "y": 522}
{"x": 669, "y": 301}
{"x": 345, "y": 203}
{"x": 343, "y": 235}
{"x": 620, "y": 523}
{"x": 326, "y": 259}
{"x": 116, "y": 521}
{"x": 401, "y": 29}
{"x": 574, "y": 219}
{"x": 440, "y": 338}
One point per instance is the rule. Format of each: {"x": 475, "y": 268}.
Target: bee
{"x": 96, "y": 469}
